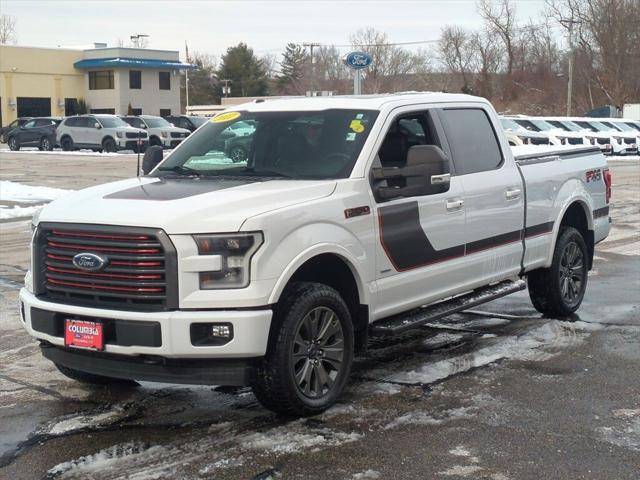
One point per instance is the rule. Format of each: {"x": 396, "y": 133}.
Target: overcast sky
{"x": 212, "y": 26}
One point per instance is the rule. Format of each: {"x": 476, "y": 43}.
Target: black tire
{"x": 238, "y": 154}
{"x": 301, "y": 308}
{"x": 14, "y": 146}
{"x": 109, "y": 145}
{"x": 66, "y": 144}
{"x": 45, "y": 144}
{"x": 91, "y": 379}
{"x": 559, "y": 290}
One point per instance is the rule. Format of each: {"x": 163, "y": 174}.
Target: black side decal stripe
{"x": 601, "y": 212}
{"x": 408, "y": 247}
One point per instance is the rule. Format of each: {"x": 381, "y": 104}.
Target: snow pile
{"x": 283, "y": 440}
{"x": 87, "y": 420}
{"x": 419, "y": 417}
{"x": 366, "y": 474}
{"x": 18, "y": 192}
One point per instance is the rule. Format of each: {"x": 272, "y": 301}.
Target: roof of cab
{"x": 359, "y": 102}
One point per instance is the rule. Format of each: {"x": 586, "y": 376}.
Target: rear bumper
{"x": 165, "y": 334}
{"x": 229, "y": 372}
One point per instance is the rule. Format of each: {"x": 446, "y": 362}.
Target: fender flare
{"x": 585, "y": 202}
{"x": 314, "y": 251}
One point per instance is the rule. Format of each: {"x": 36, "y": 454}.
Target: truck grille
{"x": 574, "y": 141}
{"x": 140, "y": 272}
{"x": 136, "y": 135}
{"x": 603, "y": 141}
{"x": 629, "y": 141}
{"x": 538, "y": 141}
{"x": 178, "y": 135}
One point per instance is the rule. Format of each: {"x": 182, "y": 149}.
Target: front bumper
{"x": 165, "y": 334}
{"x": 132, "y": 144}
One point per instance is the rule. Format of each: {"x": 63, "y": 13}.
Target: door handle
{"x": 512, "y": 194}
{"x": 455, "y": 204}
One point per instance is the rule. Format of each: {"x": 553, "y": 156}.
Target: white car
{"x": 602, "y": 140}
{"x": 621, "y": 142}
{"x": 99, "y": 132}
{"x": 517, "y": 135}
{"x": 626, "y": 127}
{"x": 160, "y": 131}
{"x": 558, "y": 136}
{"x": 349, "y": 216}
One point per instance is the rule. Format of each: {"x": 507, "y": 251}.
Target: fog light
{"x": 211, "y": 334}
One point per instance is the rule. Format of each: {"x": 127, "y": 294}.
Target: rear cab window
{"x": 472, "y": 140}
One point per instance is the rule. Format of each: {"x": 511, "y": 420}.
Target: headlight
{"x": 119, "y": 134}
{"x": 164, "y": 134}
{"x": 235, "y": 252}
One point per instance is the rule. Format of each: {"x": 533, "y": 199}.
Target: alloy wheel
{"x": 572, "y": 272}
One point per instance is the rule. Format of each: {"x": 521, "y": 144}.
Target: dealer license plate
{"x": 83, "y": 334}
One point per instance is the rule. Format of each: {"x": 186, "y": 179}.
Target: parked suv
{"x": 107, "y": 133}
{"x": 38, "y": 132}
{"x": 18, "y": 122}
{"x": 189, "y": 122}
{"x": 160, "y": 131}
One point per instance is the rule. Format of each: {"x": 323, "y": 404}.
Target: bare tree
{"x": 500, "y": 18}
{"x": 8, "y": 29}
{"x": 456, "y": 53}
{"x": 488, "y": 56}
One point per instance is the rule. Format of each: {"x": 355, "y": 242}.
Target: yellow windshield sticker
{"x": 356, "y": 126}
{"x": 225, "y": 117}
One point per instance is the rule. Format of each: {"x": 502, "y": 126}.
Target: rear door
{"x": 494, "y": 194}
{"x": 420, "y": 238}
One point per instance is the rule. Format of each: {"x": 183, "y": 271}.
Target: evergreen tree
{"x": 292, "y": 70}
{"x": 245, "y": 71}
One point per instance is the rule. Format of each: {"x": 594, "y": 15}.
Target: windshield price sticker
{"x": 225, "y": 117}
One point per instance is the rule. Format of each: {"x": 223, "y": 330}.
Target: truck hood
{"x": 187, "y": 205}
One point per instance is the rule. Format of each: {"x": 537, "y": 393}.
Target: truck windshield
{"x": 291, "y": 144}
{"x": 508, "y": 124}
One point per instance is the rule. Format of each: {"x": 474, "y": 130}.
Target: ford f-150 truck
{"x": 350, "y": 217}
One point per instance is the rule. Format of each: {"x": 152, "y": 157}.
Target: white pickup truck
{"x": 351, "y": 216}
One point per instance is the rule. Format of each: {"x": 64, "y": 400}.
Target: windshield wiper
{"x": 181, "y": 169}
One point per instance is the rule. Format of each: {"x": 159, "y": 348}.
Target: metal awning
{"x": 124, "y": 62}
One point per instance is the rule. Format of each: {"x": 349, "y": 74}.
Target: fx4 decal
{"x": 594, "y": 175}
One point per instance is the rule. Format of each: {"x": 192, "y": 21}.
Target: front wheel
{"x": 238, "y": 154}
{"x": 109, "y": 145}
{"x": 310, "y": 352}
{"x": 559, "y": 289}
{"x": 45, "y": 144}
{"x": 13, "y": 144}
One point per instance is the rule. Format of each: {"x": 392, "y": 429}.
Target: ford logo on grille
{"x": 90, "y": 262}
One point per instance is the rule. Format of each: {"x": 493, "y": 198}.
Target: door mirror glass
{"x": 427, "y": 172}
{"x": 152, "y": 157}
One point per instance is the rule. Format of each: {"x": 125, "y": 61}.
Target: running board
{"x": 416, "y": 318}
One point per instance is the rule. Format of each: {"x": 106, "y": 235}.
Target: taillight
{"x": 607, "y": 183}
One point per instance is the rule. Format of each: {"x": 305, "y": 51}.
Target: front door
{"x": 421, "y": 239}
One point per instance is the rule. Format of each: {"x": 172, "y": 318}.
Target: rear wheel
{"x": 91, "y": 379}
{"x": 66, "y": 144}
{"x": 13, "y": 144}
{"x": 45, "y": 144}
{"x": 238, "y": 154}
{"x": 109, "y": 145}
{"x": 559, "y": 289}
{"x": 310, "y": 352}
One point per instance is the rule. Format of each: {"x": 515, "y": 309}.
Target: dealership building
{"x": 51, "y": 81}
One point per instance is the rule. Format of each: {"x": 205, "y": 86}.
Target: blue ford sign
{"x": 90, "y": 262}
{"x": 358, "y": 60}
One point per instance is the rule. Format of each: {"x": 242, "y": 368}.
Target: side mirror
{"x": 427, "y": 172}
{"x": 97, "y": 126}
{"x": 152, "y": 157}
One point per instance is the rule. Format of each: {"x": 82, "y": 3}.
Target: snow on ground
{"x": 21, "y": 193}
{"x": 18, "y": 192}
{"x": 35, "y": 151}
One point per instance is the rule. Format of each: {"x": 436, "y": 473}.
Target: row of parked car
{"x": 614, "y": 136}
{"x": 99, "y": 132}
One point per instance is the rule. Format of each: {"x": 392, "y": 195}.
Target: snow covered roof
{"x": 126, "y": 62}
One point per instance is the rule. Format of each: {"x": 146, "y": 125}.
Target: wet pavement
{"x": 497, "y": 393}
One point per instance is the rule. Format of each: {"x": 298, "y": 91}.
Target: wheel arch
{"x": 336, "y": 269}
{"x": 108, "y": 137}
{"x": 578, "y": 214}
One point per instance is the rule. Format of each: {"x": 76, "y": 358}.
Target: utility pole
{"x": 312, "y": 80}
{"x": 570, "y": 79}
{"x": 186, "y": 77}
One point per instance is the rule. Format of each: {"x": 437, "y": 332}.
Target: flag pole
{"x": 186, "y": 78}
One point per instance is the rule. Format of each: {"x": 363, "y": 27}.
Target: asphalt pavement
{"x": 498, "y": 393}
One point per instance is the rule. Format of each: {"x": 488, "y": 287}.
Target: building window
{"x": 136, "y": 111}
{"x": 165, "y": 80}
{"x": 135, "y": 79}
{"x": 101, "y": 80}
{"x": 165, "y": 112}
{"x": 70, "y": 106}
{"x": 111, "y": 111}
{"x": 34, "y": 106}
